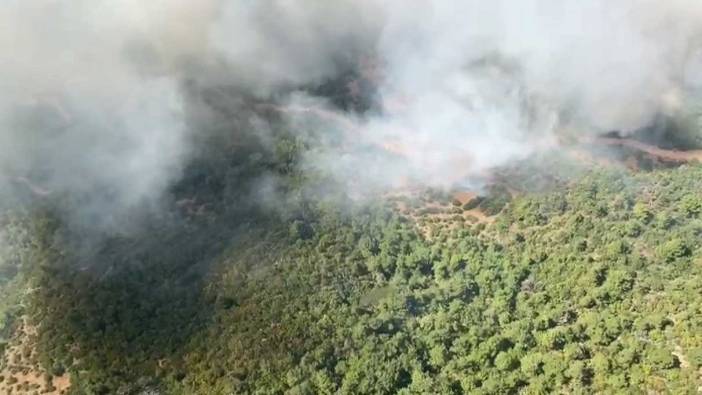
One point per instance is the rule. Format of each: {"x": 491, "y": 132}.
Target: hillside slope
{"x": 592, "y": 286}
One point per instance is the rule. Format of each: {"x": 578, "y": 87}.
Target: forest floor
{"x": 659, "y": 153}
{"x": 630, "y": 153}
{"x": 425, "y": 210}
{"x": 20, "y": 372}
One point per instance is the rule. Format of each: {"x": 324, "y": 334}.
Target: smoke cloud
{"x": 473, "y": 85}
{"x": 101, "y": 100}
{"x": 80, "y": 121}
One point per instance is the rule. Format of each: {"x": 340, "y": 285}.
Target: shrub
{"x": 642, "y": 212}
{"x": 662, "y": 359}
{"x": 674, "y": 249}
{"x": 473, "y": 203}
{"x": 691, "y": 205}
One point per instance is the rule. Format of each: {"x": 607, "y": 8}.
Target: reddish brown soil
{"x": 19, "y": 368}
{"x": 660, "y": 153}
{"x": 431, "y": 212}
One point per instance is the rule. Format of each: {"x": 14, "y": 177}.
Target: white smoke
{"x": 79, "y": 115}
{"x": 91, "y": 100}
{"x": 471, "y": 85}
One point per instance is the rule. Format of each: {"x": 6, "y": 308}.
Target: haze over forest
{"x": 209, "y": 197}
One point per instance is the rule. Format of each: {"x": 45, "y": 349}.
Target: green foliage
{"x": 642, "y": 212}
{"x": 674, "y": 249}
{"x": 473, "y": 203}
{"x": 584, "y": 289}
{"x": 662, "y": 359}
{"x": 495, "y": 201}
{"x": 691, "y": 205}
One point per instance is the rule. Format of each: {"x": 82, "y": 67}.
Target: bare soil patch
{"x": 20, "y": 372}
{"x": 659, "y": 153}
{"x": 450, "y": 210}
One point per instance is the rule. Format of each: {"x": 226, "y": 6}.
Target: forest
{"x": 580, "y": 279}
{"x": 209, "y": 197}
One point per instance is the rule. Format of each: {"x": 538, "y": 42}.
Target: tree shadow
{"x": 118, "y": 314}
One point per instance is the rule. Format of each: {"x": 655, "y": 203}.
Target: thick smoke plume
{"x": 100, "y": 101}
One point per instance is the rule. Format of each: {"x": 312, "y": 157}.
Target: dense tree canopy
{"x": 594, "y": 286}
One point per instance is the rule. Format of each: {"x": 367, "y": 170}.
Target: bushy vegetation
{"x": 594, "y": 287}
{"x": 585, "y": 281}
{"x": 20, "y": 243}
